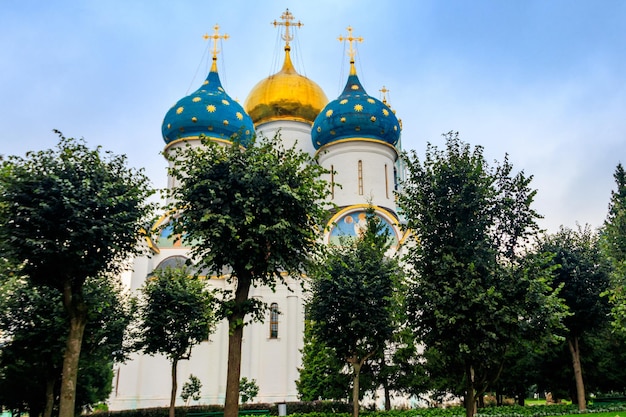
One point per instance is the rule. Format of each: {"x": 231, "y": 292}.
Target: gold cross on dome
{"x": 287, "y": 18}
{"x": 216, "y": 36}
{"x": 351, "y": 39}
{"x": 384, "y": 91}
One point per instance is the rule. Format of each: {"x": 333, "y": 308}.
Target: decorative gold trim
{"x": 358, "y": 139}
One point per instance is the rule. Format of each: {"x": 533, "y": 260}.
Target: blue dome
{"x": 355, "y": 115}
{"x": 209, "y": 111}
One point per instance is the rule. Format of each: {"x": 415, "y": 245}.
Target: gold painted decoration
{"x": 354, "y": 86}
{"x": 180, "y": 110}
{"x": 225, "y": 122}
{"x": 343, "y": 120}
{"x": 373, "y": 118}
{"x": 225, "y": 102}
{"x": 329, "y": 113}
{"x": 371, "y": 101}
{"x": 239, "y": 115}
{"x": 194, "y": 119}
{"x": 344, "y": 101}
{"x": 196, "y": 99}
{"x": 210, "y": 108}
{"x": 385, "y": 112}
{"x": 358, "y": 107}
{"x": 332, "y": 132}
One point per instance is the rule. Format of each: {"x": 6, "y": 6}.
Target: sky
{"x": 543, "y": 81}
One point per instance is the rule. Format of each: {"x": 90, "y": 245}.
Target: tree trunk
{"x": 47, "y": 411}
{"x": 77, "y": 311}
{"x": 387, "y": 395}
{"x": 174, "y": 387}
{"x": 470, "y": 399}
{"x": 578, "y": 373}
{"x": 235, "y": 338}
{"x": 356, "y": 366}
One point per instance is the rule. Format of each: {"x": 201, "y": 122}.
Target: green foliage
{"x": 613, "y": 235}
{"x": 321, "y": 375}
{"x": 472, "y": 295}
{"x": 248, "y": 389}
{"x": 68, "y": 214}
{"x": 252, "y": 214}
{"x": 351, "y": 306}
{"x": 175, "y": 313}
{"x": 191, "y": 389}
{"x": 584, "y": 274}
{"x": 583, "y": 271}
{"x": 34, "y": 324}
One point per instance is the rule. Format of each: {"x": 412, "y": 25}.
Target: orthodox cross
{"x": 384, "y": 91}
{"x": 287, "y": 18}
{"x": 216, "y": 36}
{"x": 351, "y": 39}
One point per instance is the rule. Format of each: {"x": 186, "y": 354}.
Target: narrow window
{"x": 386, "y": 183}
{"x": 360, "y": 177}
{"x": 274, "y": 321}
{"x": 395, "y": 178}
{"x": 332, "y": 181}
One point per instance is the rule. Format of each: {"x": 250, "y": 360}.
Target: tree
{"x": 34, "y": 323}
{"x": 248, "y": 389}
{"x": 191, "y": 389}
{"x": 67, "y": 214}
{"x": 322, "y": 375}
{"x": 253, "y": 212}
{"x": 351, "y": 303}
{"x": 471, "y": 295}
{"x": 584, "y": 273}
{"x": 614, "y": 244}
{"x": 175, "y": 314}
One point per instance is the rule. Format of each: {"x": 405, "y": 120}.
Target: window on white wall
{"x": 360, "y": 177}
{"x": 274, "y": 321}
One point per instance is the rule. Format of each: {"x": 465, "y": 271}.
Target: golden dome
{"x": 285, "y": 95}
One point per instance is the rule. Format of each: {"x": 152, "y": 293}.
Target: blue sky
{"x": 541, "y": 80}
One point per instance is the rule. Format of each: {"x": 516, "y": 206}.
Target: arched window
{"x": 274, "y": 321}
{"x": 177, "y": 261}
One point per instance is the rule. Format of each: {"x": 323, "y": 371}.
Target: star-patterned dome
{"x": 208, "y": 111}
{"x": 355, "y": 114}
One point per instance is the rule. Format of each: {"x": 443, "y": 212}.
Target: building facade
{"x": 355, "y": 136}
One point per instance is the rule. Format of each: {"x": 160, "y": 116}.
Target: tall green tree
{"x": 322, "y": 375}
{"x": 175, "y": 314}
{"x": 614, "y": 244}
{"x": 471, "y": 296}
{"x": 351, "y": 303}
{"x": 67, "y": 214}
{"x": 584, "y": 272}
{"x": 34, "y": 327}
{"x": 253, "y": 212}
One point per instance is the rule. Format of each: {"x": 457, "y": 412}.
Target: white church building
{"x": 355, "y": 136}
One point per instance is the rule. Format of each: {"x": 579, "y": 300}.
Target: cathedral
{"x": 355, "y": 136}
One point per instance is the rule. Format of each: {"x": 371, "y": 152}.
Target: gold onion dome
{"x": 285, "y": 95}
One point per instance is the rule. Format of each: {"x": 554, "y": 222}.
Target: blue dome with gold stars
{"x": 210, "y": 112}
{"x": 355, "y": 114}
